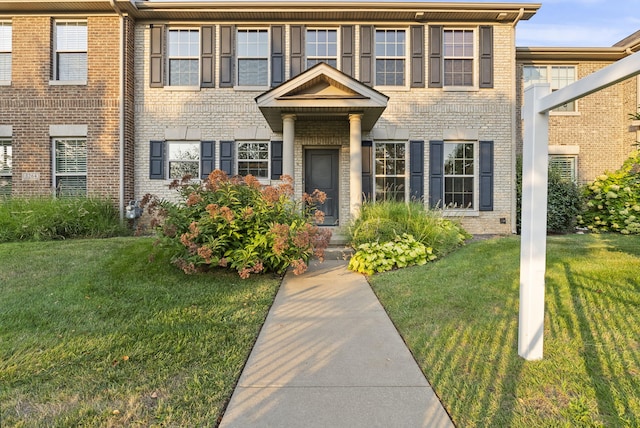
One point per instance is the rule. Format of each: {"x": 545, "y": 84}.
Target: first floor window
{"x": 184, "y": 57}
{"x": 71, "y": 51}
{"x": 5, "y": 51}
{"x": 458, "y": 50}
{"x": 390, "y": 57}
{"x": 322, "y": 46}
{"x": 253, "y": 57}
{"x": 390, "y": 168}
{"x": 6, "y": 167}
{"x": 564, "y": 165}
{"x": 458, "y": 175}
{"x": 184, "y": 159}
{"x": 253, "y": 158}
{"x": 70, "y": 166}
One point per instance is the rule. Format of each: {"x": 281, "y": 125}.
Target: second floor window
{"x": 558, "y": 76}
{"x": 390, "y": 50}
{"x": 458, "y": 57}
{"x": 322, "y": 46}
{"x": 184, "y": 57}
{"x": 70, "y": 51}
{"x": 253, "y": 57}
{"x": 5, "y": 51}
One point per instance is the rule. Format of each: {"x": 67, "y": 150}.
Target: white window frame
{"x": 267, "y": 57}
{"x": 173, "y": 143}
{"x": 572, "y": 165}
{"x": 474, "y": 58}
{"x": 238, "y": 161}
{"x": 405, "y": 175}
{"x": 6, "y": 47}
{"x": 68, "y": 174}
{"x": 170, "y": 57}
{"x": 320, "y": 58}
{"x": 404, "y": 58}
{"x": 56, "y": 50}
{"x": 474, "y": 177}
{"x": 554, "y": 87}
{"x": 6, "y": 164}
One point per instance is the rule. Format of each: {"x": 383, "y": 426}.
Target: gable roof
{"x": 319, "y": 92}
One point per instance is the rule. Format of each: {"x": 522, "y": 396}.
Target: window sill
{"x": 67, "y": 83}
{"x": 182, "y": 88}
{"x": 460, "y": 89}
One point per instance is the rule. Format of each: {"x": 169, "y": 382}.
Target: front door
{"x": 321, "y": 172}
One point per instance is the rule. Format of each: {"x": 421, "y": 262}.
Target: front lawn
{"x": 92, "y": 333}
{"x": 459, "y": 316}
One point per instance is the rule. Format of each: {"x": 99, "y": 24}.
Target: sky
{"x": 570, "y": 23}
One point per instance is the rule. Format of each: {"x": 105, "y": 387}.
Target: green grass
{"x": 459, "y": 316}
{"x": 93, "y": 333}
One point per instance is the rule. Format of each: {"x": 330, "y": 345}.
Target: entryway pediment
{"x": 320, "y": 91}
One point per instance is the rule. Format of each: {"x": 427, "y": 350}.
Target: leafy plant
{"x": 613, "y": 200}
{"x": 239, "y": 224}
{"x": 564, "y": 203}
{"x": 403, "y": 251}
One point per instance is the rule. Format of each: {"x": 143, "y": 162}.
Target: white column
{"x": 355, "y": 164}
{"x": 288, "y": 139}
{"x": 533, "y": 244}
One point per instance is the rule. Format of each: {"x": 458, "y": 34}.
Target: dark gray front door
{"x": 321, "y": 172}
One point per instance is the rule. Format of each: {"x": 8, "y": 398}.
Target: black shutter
{"x": 435, "y": 56}
{"x": 227, "y": 41}
{"x": 416, "y": 170}
{"x": 297, "y": 50}
{"x": 226, "y": 157}
{"x": 436, "y": 174}
{"x": 277, "y": 55}
{"x": 486, "y": 176}
{"x": 157, "y": 63}
{"x": 347, "y": 49}
{"x": 156, "y": 160}
{"x": 207, "y": 158}
{"x": 417, "y": 56}
{"x": 486, "y": 57}
{"x": 367, "y": 171}
{"x": 366, "y": 55}
{"x": 207, "y": 51}
{"x": 276, "y": 160}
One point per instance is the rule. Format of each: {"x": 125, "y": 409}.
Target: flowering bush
{"x": 238, "y": 223}
{"x": 613, "y": 200}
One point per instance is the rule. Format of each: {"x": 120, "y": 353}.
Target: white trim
{"x": 6, "y": 131}
{"x": 59, "y": 131}
{"x": 564, "y": 150}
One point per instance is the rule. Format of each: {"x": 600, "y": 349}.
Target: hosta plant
{"x": 237, "y": 223}
{"x": 403, "y": 251}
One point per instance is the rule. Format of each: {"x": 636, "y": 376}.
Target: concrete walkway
{"x": 328, "y": 356}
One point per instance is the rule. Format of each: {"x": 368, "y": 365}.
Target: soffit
{"x": 16, "y": 7}
{"x": 562, "y": 54}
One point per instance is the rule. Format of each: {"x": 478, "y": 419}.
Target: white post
{"x": 288, "y": 140}
{"x": 355, "y": 164}
{"x": 534, "y": 224}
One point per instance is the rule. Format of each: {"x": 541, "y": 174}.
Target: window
{"x": 70, "y": 51}
{"x": 458, "y": 175}
{"x": 558, "y": 76}
{"x": 253, "y": 158}
{"x": 565, "y": 165}
{"x": 458, "y": 50}
{"x": 6, "y": 167}
{"x": 184, "y": 159}
{"x": 390, "y": 167}
{"x": 70, "y": 166}
{"x": 322, "y": 46}
{"x": 5, "y": 51}
{"x": 253, "y": 57}
{"x": 184, "y": 57}
{"x": 390, "y": 49}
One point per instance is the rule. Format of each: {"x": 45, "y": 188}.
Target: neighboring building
{"x": 404, "y": 101}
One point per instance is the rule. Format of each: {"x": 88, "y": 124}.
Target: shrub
{"x": 403, "y": 251}
{"x": 386, "y": 220}
{"x": 48, "y": 218}
{"x": 613, "y": 200}
{"x": 239, "y": 224}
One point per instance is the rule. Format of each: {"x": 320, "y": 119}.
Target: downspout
{"x": 121, "y": 111}
{"x": 514, "y": 95}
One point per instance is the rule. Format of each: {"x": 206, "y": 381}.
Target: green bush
{"x": 386, "y": 220}
{"x": 613, "y": 200}
{"x": 403, "y": 251}
{"x": 239, "y": 224}
{"x": 47, "y": 218}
